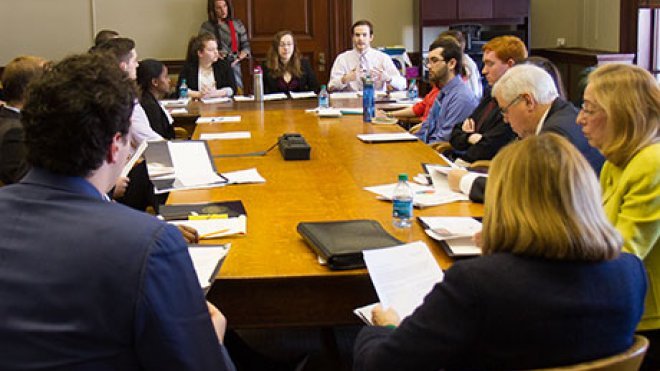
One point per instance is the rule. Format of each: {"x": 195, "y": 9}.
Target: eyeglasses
{"x": 589, "y": 112}
{"x": 505, "y": 110}
{"x": 432, "y": 60}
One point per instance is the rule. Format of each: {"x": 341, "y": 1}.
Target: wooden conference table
{"x": 271, "y": 277}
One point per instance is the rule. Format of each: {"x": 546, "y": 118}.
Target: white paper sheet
{"x": 328, "y": 112}
{"x": 344, "y": 95}
{"x": 192, "y": 165}
{"x": 302, "y": 94}
{"x": 205, "y": 260}
{"x": 387, "y": 137}
{"x": 403, "y": 275}
{"x": 449, "y": 227}
{"x": 275, "y": 96}
{"x": 226, "y": 135}
{"x": 217, "y": 119}
{"x": 215, "y": 100}
{"x": 243, "y": 98}
{"x": 244, "y": 176}
{"x": 178, "y": 111}
{"x": 424, "y": 196}
{"x": 440, "y": 184}
{"x": 351, "y": 111}
{"x": 174, "y": 103}
{"x": 216, "y": 228}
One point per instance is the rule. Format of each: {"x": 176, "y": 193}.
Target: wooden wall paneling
{"x": 510, "y": 8}
{"x": 434, "y": 10}
{"x": 475, "y": 9}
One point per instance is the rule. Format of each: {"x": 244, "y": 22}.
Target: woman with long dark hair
{"x": 285, "y": 70}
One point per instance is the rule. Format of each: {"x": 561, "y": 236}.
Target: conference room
{"x": 281, "y": 162}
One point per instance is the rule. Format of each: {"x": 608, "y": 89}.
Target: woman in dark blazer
{"x": 285, "y": 71}
{"x": 552, "y": 287}
{"x": 154, "y": 82}
{"x": 206, "y": 75}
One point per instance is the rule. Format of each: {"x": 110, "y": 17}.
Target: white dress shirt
{"x": 370, "y": 60}
{"x": 140, "y": 129}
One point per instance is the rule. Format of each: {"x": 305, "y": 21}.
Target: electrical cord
{"x": 248, "y": 154}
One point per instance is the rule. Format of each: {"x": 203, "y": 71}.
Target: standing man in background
{"x": 353, "y": 65}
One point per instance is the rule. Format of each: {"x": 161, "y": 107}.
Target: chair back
{"x": 629, "y": 360}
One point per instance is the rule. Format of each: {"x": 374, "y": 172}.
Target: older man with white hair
{"x": 528, "y": 100}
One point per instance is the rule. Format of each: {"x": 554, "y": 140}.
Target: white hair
{"x": 526, "y": 79}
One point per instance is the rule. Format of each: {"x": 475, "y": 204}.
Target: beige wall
{"x": 161, "y": 28}
{"x": 54, "y": 29}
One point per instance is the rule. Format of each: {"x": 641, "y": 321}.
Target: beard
{"x": 441, "y": 76}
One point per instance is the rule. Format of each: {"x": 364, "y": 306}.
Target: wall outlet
{"x": 561, "y": 42}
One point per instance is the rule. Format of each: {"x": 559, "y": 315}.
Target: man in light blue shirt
{"x": 455, "y": 102}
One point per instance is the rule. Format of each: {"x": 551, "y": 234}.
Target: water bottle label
{"x": 403, "y": 209}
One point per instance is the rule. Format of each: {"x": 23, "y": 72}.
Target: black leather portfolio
{"x": 340, "y": 243}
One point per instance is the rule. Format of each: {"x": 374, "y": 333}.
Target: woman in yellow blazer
{"x": 620, "y": 116}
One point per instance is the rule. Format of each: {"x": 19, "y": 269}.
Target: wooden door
{"x": 475, "y": 9}
{"x": 321, "y": 29}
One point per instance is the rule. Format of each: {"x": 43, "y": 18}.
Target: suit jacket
{"x": 560, "y": 120}
{"x": 506, "y": 312}
{"x": 495, "y": 133}
{"x": 224, "y": 75}
{"x": 13, "y": 163}
{"x": 306, "y": 82}
{"x": 631, "y": 199}
{"x": 158, "y": 120}
{"x": 93, "y": 285}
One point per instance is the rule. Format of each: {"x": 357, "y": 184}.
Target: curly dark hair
{"x": 72, "y": 114}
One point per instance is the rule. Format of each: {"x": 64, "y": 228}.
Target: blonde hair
{"x": 543, "y": 200}
{"x": 630, "y": 97}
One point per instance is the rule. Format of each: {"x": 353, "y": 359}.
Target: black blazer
{"x": 13, "y": 153}
{"x": 495, "y": 133}
{"x": 224, "y": 75}
{"x": 157, "y": 117}
{"x": 560, "y": 120}
{"x": 307, "y": 82}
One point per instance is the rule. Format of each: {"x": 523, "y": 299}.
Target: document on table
{"x": 351, "y": 111}
{"x": 453, "y": 233}
{"x": 174, "y": 103}
{"x": 225, "y": 135}
{"x": 217, "y": 119}
{"x": 439, "y": 180}
{"x": 387, "y": 137}
{"x": 302, "y": 94}
{"x": 244, "y": 176}
{"x": 243, "y": 98}
{"x": 423, "y": 196}
{"x": 344, "y": 95}
{"x": 215, "y": 100}
{"x": 192, "y": 164}
{"x": 403, "y": 275}
{"x": 275, "y": 96}
{"x": 216, "y": 228}
{"x": 328, "y": 112}
{"x": 206, "y": 260}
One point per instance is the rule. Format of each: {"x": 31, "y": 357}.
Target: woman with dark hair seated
{"x": 206, "y": 75}
{"x": 285, "y": 70}
{"x": 552, "y": 287}
{"x": 154, "y": 82}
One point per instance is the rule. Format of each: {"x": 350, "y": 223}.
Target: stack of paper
{"x": 329, "y": 112}
{"x": 225, "y": 135}
{"x": 216, "y": 228}
{"x": 302, "y": 94}
{"x": 455, "y": 233}
{"x": 402, "y": 276}
{"x": 344, "y": 95}
{"x": 216, "y": 100}
{"x": 275, "y": 96}
{"x": 423, "y": 196}
{"x": 244, "y": 176}
{"x": 387, "y": 137}
{"x": 175, "y": 103}
{"x": 243, "y": 98}
{"x": 217, "y": 119}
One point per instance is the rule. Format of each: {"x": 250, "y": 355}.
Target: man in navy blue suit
{"x": 528, "y": 100}
{"x": 88, "y": 284}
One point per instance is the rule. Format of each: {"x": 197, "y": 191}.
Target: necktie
{"x": 484, "y": 115}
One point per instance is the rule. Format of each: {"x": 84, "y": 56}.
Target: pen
{"x": 428, "y": 191}
{"x": 214, "y": 233}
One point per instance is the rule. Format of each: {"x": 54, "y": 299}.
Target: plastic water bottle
{"x": 183, "y": 89}
{"x": 413, "y": 93}
{"x": 402, "y": 201}
{"x": 368, "y": 107}
{"x": 324, "y": 98}
{"x": 258, "y": 84}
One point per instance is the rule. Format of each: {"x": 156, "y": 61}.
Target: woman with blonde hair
{"x": 285, "y": 70}
{"x": 551, "y": 278}
{"x": 620, "y": 117}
